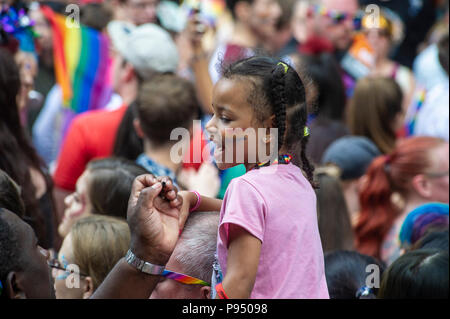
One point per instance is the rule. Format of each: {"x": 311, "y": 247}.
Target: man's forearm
{"x": 126, "y": 282}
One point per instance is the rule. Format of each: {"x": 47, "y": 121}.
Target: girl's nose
{"x": 211, "y": 125}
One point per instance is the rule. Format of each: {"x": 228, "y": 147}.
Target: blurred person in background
{"x": 135, "y": 11}
{"x": 418, "y": 274}
{"x": 382, "y": 39}
{"x": 254, "y": 23}
{"x": 19, "y": 159}
{"x": 418, "y": 17}
{"x": 164, "y": 104}
{"x": 375, "y": 111}
{"x": 45, "y": 77}
{"x": 94, "y": 245}
{"x": 327, "y": 95}
{"x": 347, "y": 274}
{"x": 283, "y": 42}
{"x": 427, "y": 68}
{"x": 351, "y": 156}
{"x": 333, "y": 20}
{"x": 432, "y": 117}
{"x": 103, "y": 189}
{"x": 193, "y": 258}
{"x": 414, "y": 173}
{"x": 335, "y": 228}
{"x": 24, "y": 272}
{"x": 422, "y": 221}
{"x": 92, "y": 134}
{"x": 50, "y": 125}
{"x": 434, "y": 240}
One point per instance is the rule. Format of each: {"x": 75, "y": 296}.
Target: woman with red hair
{"x": 414, "y": 173}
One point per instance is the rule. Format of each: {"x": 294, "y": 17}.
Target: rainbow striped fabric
{"x": 82, "y": 64}
{"x": 184, "y": 279}
{"x": 418, "y": 100}
{"x": 421, "y": 219}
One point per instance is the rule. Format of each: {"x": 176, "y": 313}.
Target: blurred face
{"x": 68, "y": 284}
{"x": 232, "y": 115}
{"x": 302, "y": 26}
{"x": 35, "y": 280}
{"x": 77, "y": 204}
{"x": 379, "y": 41}
{"x": 142, "y": 11}
{"x": 438, "y": 174}
{"x": 42, "y": 27}
{"x": 28, "y": 69}
{"x": 171, "y": 289}
{"x": 264, "y": 15}
{"x": 339, "y": 33}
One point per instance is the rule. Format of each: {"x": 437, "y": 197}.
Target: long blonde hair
{"x": 98, "y": 243}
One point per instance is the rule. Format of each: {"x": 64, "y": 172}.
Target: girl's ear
{"x": 13, "y": 288}
{"x": 88, "y": 288}
{"x": 138, "y": 128}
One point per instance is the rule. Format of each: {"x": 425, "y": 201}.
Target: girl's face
{"x": 234, "y": 128}
{"x": 77, "y": 204}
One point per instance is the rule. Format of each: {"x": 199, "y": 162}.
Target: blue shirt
{"x": 155, "y": 168}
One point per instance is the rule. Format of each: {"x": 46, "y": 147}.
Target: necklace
{"x": 282, "y": 159}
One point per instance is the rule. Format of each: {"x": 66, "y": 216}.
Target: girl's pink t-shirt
{"x": 277, "y": 205}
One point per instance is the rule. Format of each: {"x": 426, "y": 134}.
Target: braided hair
{"x": 277, "y": 89}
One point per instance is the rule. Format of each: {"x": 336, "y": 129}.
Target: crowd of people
{"x": 269, "y": 149}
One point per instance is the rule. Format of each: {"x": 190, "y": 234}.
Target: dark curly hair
{"x": 277, "y": 89}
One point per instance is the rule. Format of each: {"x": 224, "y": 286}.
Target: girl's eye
{"x": 225, "y": 120}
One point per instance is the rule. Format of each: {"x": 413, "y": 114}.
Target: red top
{"x": 90, "y": 136}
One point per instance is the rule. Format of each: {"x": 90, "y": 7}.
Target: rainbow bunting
{"x": 82, "y": 63}
{"x": 210, "y": 10}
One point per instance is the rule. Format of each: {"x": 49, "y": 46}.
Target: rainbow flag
{"x": 82, "y": 64}
{"x": 210, "y": 10}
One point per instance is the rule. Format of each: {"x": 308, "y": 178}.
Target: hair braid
{"x": 307, "y": 167}
{"x": 279, "y": 101}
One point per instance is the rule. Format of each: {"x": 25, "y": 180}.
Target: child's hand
{"x": 189, "y": 200}
{"x": 153, "y": 219}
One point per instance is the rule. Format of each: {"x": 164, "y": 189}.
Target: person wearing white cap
{"x": 139, "y": 53}
{"x": 136, "y": 11}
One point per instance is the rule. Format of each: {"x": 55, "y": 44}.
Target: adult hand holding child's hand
{"x": 154, "y": 219}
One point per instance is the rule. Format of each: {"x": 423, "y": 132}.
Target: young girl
{"x": 268, "y": 239}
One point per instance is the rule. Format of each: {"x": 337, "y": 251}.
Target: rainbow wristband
{"x": 199, "y": 200}
{"x": 220, "y": 292}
